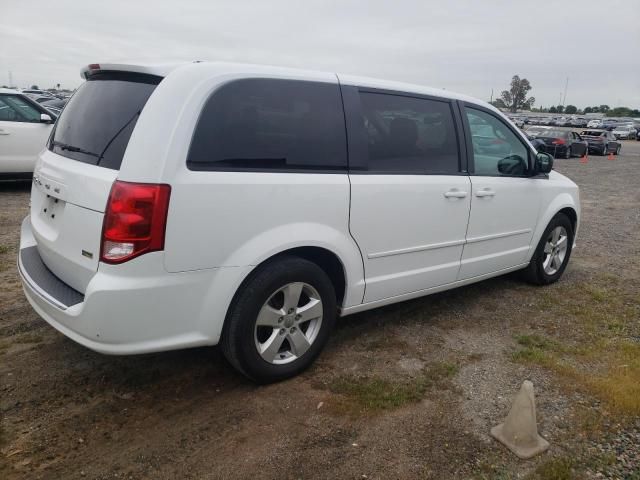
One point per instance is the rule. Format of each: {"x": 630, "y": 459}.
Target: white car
{"x": 624, "y": 132}
{"x": 594, "y": 123}
{"x": 205, "y": 203}
{"x": 24, "y": 128}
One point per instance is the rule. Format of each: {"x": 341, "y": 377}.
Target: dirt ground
{"x": 406, "y": 391}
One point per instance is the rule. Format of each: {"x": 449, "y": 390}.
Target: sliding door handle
{"x": 455, "y": 193}
{"x": 485, "y": 192}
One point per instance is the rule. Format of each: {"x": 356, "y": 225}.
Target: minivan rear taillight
{"x": 134, "y": 221}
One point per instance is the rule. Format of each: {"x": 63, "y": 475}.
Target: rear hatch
{"x": 75, "y": 173}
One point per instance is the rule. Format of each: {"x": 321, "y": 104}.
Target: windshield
{"x": 98, "y": 120}
{"x": 590, "y": 133}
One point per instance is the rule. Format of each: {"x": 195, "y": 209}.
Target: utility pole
{"x": 566, "y": 84}
{"x": 10, "y": 79}
{"x": 491, "y": 101}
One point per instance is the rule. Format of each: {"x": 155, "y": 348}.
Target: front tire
{"x": 567, "y": 153}
{"x": 279, "y": 320}
{"x": 552, "y": 253}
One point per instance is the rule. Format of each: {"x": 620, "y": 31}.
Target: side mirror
{"x": 45, "y": 118}
{"x": 544, "y": 163}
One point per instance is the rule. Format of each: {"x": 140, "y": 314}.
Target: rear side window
{"x": 409, "y": 135}
{"x": 98, "y": 120}
{"x": 271, "y": 125}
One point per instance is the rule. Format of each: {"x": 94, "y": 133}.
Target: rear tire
{"x": 567, "y": 153}
{"x": 266, "y": 335}
{"x": 617, "y": 152}
{"x": 552, "y": 253}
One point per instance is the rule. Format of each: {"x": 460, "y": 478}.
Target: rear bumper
{"x": 555, "y": 150}
{"x": 597, "y": 148}
{"x": 135, "y": 307}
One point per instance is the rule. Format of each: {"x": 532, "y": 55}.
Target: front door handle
{"x": 485, "y": 192}
{"x": 455, "y": 193}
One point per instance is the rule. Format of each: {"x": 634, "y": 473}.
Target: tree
{"x": 553, "y": 110}
{"x": 588, "y": 110}
{"x": 604, "y": 108}
{"x": 559, "y": 109}
{"x": 623, "y": 112}
{"x": 570, "y": 109}
{"x": 516, "y": 97}
{"x": 35, "y": 87}
{"x": 498, "y": 103}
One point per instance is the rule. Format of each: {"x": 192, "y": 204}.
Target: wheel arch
{"x": 328, "y": 260}
{"x": 564, "y": 203}
{"x": 573, "y": 216}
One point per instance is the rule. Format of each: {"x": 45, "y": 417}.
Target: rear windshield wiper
{"x": 72, "y": 148}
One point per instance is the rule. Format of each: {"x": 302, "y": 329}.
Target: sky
{"x": 467, "y": 46}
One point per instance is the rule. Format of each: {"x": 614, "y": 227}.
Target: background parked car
{"x": 609, "y": 124}
{"x": 24, "y": 128}
{"x": 601, "y": 141}
{"x": 562, "y": 143}
{"x": 31, "y": 92}
{"x": 537, "y": 143}
{"x": 518, "y": 122}
{"x": 595, "y": 123}
{"x": 624, "y": 132}
{"x": 578, "y": 122}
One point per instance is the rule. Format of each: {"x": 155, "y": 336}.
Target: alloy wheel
{"x": 288, "y": 323}
{"x": 555, "y": 250}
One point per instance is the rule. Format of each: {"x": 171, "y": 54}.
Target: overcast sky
{"x": 468, "y": 46}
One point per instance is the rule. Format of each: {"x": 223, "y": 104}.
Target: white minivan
{"x": 25, "y": 126}
{"x": 204, "y": 203}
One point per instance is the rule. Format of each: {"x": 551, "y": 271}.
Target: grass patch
{"x": 619, "y": 387}
{"x": 367, "y": 395}
{"x": 560, "y": 468}
{"x": 534, "y": 341}
{"x": 596, "y": 325}
{"x": 4, "y": 249}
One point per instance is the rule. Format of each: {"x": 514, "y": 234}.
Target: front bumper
{"x": 136, "y": 307}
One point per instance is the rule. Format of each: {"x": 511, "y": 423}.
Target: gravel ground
{"x": 447, "y": 361}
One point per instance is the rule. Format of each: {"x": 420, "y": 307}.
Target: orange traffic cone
{"x": 584, "y": 158}
{"x": 610, "y": 157}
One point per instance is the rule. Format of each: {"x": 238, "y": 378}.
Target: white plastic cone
{"x": 519, "y": 432}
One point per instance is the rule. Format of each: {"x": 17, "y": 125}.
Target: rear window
{"x": 590, "y": 133}
{"x": 98, "y": 120}
{"x": 271, "y": 125}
